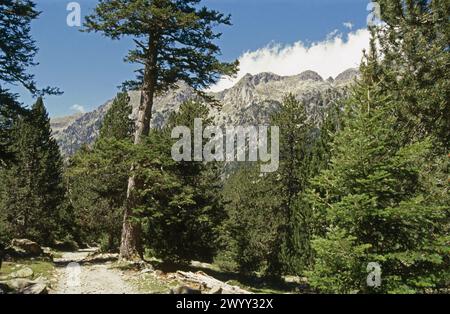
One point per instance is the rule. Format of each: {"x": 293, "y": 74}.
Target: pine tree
{"x": 17, "y": 53}
{"x": 9, "y": 111}
{"x": 289, "y": 181}
{"x": 250, "y": 197}
{"x": 18, "y": 48}
{"x": 250, "y": 232}
{"x": 174, "y": 41}
{"x": 382, "y": 201}
{"x": 97, "y": 178}
{"x": 414, "y": 42}
{"x": 183, "y": 222}
{"x": 33, "y": 191}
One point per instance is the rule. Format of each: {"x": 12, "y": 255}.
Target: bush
{"x": 340, "y": 265}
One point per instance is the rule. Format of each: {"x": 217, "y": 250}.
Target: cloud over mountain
{"x": 328, "y": 58}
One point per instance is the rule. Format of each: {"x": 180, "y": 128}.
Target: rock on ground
{"x": 24, "y": 248}
{"x": 24, "y": 286}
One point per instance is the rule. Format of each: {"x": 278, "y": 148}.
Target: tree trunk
{"x": 131, "y": 245}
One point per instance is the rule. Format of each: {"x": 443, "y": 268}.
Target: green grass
{"x": 147, "y": 283}
{"x": 40, "y": 268}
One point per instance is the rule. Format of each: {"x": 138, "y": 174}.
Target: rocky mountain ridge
{"x": 251, "y": 101}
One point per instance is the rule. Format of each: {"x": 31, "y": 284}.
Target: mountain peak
{"x": 310, "y": 76}
{"x": 250, "y": 102}
{"x": 347, "y": 75}
{"x": 263, "y": 77}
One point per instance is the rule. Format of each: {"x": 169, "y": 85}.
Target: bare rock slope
{"x": 250, "y": 102}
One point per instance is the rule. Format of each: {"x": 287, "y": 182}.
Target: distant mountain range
{"x": 250, "y": 102}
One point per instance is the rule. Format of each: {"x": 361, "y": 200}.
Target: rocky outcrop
{"x": 199, "y": 282}
{"x": 250, "y": 102}
{"x": 24, "y": 248}
{"x": 347, "y": 76}
{"x": 310, "y": 75}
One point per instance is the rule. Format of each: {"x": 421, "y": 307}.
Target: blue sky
{"x": 88, "y": 67}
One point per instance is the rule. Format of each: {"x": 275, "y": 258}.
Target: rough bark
{"x": 131, "y": 245}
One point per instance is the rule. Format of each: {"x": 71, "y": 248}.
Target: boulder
{"x": 216, "y": 290}
{"x": 37, "y": 288}
{"x": 98, "y": 258}
{"x": 24, "y": 248}
{"x": 24, "y": 286}
{"x": 66, "y": 245}
{"x": 185, "y": 290}
{"x": 22, "y": 273}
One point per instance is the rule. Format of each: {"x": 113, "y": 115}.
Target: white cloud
{"x": 78, "y": 108}
{"x": 328, "y": 58}
{"x": 348, "y": 25}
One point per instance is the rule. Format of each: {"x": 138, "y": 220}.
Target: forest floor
{"x": 73, "y": 273}
{"x": 114, "y": 277}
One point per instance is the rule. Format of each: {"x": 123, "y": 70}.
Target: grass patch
{"x": 41, "y": 268}
{"x": 147, "y": 283}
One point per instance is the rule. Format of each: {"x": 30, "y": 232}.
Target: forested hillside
{"x": 363, "y": 176}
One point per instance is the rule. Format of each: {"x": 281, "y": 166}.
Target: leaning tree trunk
{"x": 131, "y": 245}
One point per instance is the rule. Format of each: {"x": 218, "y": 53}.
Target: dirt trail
{"x": 89, "y": 279}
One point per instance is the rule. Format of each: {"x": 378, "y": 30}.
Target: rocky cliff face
{"x": 249, "y": 102}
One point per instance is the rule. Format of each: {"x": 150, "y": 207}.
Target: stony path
{"x": 89, "y": 279}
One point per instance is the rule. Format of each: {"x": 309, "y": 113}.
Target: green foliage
{"x": 250, "y": 231}
{"x": 269, "y": 223}
{"x": 383, "y": 194}
{"x": 387, "y": 187}
{"x": 17, "y": 52}
{"x": 182, "y": 205}
{"x": 32, "y": 189}
{"x": 18, "y": 49}
{"x": 97, "y": 178}
{"x": 9, "y": 110}
{"x": 414, "y": 43}
{"x": 174, "y": 40}
{"x": 117, "y": 123}
{"x": 181, "y": 208}
{"x": 338, "y": 267}
{"x": 291, "y": 179}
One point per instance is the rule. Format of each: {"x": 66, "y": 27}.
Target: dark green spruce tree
{"x": 250, "y": 232}
{"x": 32, "y": 188}
{"x": 183, "y": 217}
{"x": 17, "y": 53}
{"x": 384, "y": 201}
{"x": 269, "y": 222}
{"x": 291, "y": 179}
{"x": 414, "y": 42}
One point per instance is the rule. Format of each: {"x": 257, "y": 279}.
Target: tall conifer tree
{"x": 174, "y": 41}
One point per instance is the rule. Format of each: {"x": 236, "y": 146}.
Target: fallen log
{"x": 212, "y": 284}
